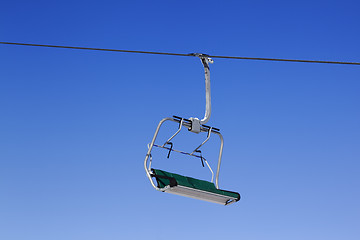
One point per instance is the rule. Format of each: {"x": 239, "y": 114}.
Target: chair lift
{"x": 187, "y": 186}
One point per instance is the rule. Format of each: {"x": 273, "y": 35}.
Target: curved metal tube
{"x": 205, "y": 61}
{"x": 219, "y": 162}
{"x": 148, "y": 154}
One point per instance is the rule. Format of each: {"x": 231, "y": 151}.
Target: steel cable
{"x": 182, "y": 54}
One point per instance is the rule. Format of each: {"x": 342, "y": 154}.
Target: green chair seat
{"x": 172, "y": 180}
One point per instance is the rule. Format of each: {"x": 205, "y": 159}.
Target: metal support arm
{"x": 205, "y": 60}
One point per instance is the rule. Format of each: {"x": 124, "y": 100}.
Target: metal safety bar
{"x": 176, "y": 133}
{"x": 185, "y": 153}
{"x": 207, "y": 139}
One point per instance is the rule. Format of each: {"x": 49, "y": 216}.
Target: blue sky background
{"x": 74, "y": 124}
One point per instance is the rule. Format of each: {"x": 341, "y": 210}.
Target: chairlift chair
{"x": 183, "y": 185}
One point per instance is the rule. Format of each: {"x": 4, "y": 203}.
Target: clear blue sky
{"x": 74, "y": 124}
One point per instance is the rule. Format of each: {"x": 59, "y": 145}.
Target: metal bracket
{"x": 195, "y": 125}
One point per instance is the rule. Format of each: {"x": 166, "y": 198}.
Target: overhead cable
{"x": 182, "y": 54}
